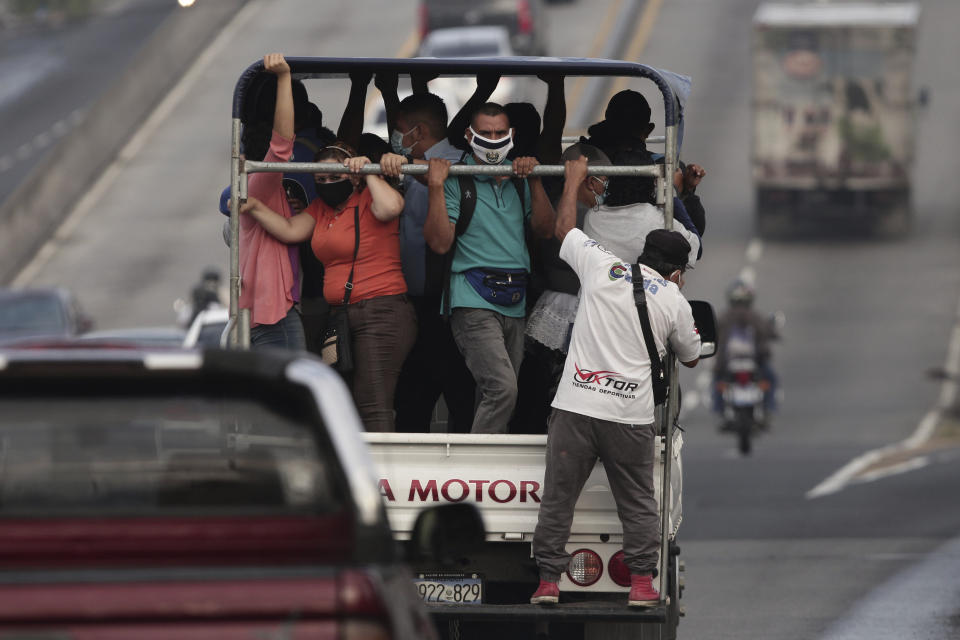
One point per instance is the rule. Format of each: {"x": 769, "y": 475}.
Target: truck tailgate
{"x": 502, "y": 474}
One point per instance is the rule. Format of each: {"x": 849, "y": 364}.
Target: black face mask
{"x": 335, "y": 193}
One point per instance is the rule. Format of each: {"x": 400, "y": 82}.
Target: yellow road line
{"x": 647, "y": 19}
{"x": 601, "y": 39}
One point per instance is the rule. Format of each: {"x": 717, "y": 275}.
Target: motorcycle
{"x": 742, "y": 390}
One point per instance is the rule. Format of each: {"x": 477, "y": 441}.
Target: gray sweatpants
{"x": 492, "y": 347}
{"x": 574, "y": 442}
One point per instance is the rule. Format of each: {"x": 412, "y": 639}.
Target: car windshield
{"x": 38, "y": 314}
{"x": 157, "y": 456}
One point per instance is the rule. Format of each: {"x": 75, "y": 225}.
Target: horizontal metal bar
{"x": 652, "y": 170}
{"x": 649, "y": 140}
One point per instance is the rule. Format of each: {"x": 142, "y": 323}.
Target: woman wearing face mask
{"x": 381, "y": 319}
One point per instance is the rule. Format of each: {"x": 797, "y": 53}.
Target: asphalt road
{"x": 866, "y": 319}
{"x": 51, "y": 76}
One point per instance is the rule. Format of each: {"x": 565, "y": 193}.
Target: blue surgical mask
{"x": 396, "y": 142}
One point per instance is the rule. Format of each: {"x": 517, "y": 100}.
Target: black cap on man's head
{"x": 628, "y": 106}
{"x": 670, "y": 246}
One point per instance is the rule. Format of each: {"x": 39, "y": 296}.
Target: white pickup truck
{"x": 484, "y": 591}
{"x": 503, "y": 476}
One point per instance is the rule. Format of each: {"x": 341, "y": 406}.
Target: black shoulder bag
{"x": 336, "y": 349}
{"x": 659, "y": 380}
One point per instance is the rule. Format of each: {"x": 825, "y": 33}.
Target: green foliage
{"x": 863, "y": 142}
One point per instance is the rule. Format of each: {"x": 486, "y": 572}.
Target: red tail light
{"x": 618, "y": 570}
{"x": 424, "y": 20}
{"x": 360, "y": 607}
{"x": 585, "y": 569}
{"x": 743, "y": 377}
{"x": 358, "y": 596}
{"x": 524, "y": 17}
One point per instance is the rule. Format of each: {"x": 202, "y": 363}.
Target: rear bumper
{"x": 616, "y": 611}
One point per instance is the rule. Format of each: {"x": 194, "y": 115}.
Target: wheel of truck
{"x": 894, "y": 225}
{"x": 772, "y": 225}
{"x": 669, "y": 631}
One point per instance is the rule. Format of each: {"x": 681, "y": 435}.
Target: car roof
{"x": 34, "y": 292}
{"x": 480, "y": 32}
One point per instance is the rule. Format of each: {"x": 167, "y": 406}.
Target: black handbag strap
{"x": 659, "y": 383}
{"x": 348, "y": 287}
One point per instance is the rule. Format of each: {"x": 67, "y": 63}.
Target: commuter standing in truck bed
{"x": 604, "y": 405}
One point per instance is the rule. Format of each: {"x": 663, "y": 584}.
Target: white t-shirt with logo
{"x": 607, "y": 372}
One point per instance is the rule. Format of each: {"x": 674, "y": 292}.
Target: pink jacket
{"x": 265, "y": 273}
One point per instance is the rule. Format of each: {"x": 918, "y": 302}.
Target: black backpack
{"x": 468, "y": 202}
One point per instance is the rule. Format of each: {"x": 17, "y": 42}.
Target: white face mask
{"x": 677, "y": 278}
{"x": 491, "y": 151}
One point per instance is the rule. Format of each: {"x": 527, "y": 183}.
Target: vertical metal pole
{"x": 667, "y": 416}
{"x": 235, "y": 339}
{"x": 669, "y": 411}
{"x": 669, "y": 166}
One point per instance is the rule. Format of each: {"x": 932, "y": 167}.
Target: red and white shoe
{"x": 546, "y": 593}
{"x": 642, "y": 593}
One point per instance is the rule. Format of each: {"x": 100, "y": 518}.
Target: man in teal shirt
{"x": 488, "y": 329}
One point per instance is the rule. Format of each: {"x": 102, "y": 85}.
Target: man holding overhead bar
{"x": 604, "y": 407}
{"x": 481, "y": 220}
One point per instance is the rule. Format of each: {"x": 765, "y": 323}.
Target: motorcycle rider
{"x": 205, "y": 293}
{"x": 742, "y": 332}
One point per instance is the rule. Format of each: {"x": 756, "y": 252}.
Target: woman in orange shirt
{"x": 382, "y": 322}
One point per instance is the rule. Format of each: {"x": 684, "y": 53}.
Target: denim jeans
{"x": 492, "y": 345}
{"x": 285, "y": 334}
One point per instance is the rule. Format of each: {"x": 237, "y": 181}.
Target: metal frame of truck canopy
{"x": 307, "y": 68}
{"x": 310, "y": 68}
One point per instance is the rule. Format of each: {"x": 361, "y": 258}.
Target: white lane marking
{"x": 903, "y": 467}
{"x": 43, "y": 139}
{"x": 925, "y": 429}
{"x": 136, "y": 143}
{"x": 754, "y": 252}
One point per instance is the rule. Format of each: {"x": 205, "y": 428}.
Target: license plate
{"x": 450, "y": 588}
{"x": 746, "y": 395}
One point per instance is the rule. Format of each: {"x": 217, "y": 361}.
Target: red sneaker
{"x": 642, "y": 593}
{"x": 546, "y": 593}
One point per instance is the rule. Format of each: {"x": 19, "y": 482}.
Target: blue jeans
{"x": 492, "y": 346}
{"x": 285, "y": 334}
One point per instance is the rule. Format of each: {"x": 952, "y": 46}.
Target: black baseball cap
{"x": 671, "y": 245}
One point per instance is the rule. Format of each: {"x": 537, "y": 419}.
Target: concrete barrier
{"x": 36, "y": 208}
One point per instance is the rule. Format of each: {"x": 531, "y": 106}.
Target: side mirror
{"x": 706, "y": 322}
{"x": 446, "y": 533}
